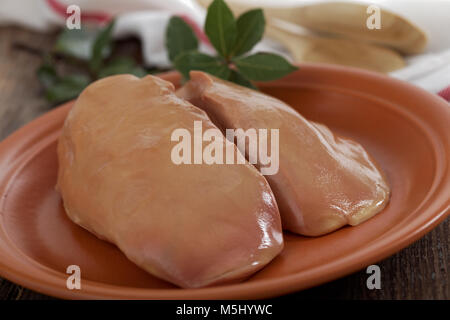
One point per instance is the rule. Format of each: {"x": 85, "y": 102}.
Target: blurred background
{"x": 43, "y": 63}
{"x": 407, "y": 39}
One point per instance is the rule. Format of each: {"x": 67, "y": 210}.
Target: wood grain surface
{"x": 420, "y": 271}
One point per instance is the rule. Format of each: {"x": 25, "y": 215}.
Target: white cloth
{"x": 429, "y": 71}
{"x": 147, "y": 19}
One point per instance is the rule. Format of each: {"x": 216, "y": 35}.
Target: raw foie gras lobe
{"x": 324, "y": 181}
{"x": 193, "y": 225}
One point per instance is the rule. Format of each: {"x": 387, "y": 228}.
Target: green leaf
{"x": 238, "y": 78}
{"x": 250, "y": 29}
{"x": 47, "y": 75}
{"x": 76, "y": 43}
{"x": 220, "y": 27}
{"x": 67, "y": 88}
{"x": 102, "y": 46}
{"x": 194, "y": 60}
{"x": 122, "y": 65}
{"x": 138, "y": 71}
{"x": 179, "y": 37}
{"x": 264, "y": 66}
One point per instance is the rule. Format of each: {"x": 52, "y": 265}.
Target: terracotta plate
{"x": 404, "y": 128}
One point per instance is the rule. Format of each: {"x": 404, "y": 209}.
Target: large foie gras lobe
{"x": 192, "y": 225}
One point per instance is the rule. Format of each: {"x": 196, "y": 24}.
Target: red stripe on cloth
{"x": 102, "y": 17}
{"x": 61, "y": 10}
{"x": 445, "y": 93}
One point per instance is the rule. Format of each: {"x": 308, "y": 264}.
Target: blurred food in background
{"x": 338, "y": 34}
{"x": 306, "y": 48}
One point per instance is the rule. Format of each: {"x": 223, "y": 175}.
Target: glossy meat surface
{"x": 192, "y": 225}
{"x": 324, "y": 181}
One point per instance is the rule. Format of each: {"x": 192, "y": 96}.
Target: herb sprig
{"x": 85, "y": 55}
{"x": 233, "y": 39}
{"x": 79, "y": 57}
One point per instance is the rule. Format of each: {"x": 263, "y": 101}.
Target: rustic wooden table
{"x": 417, "y": 272}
